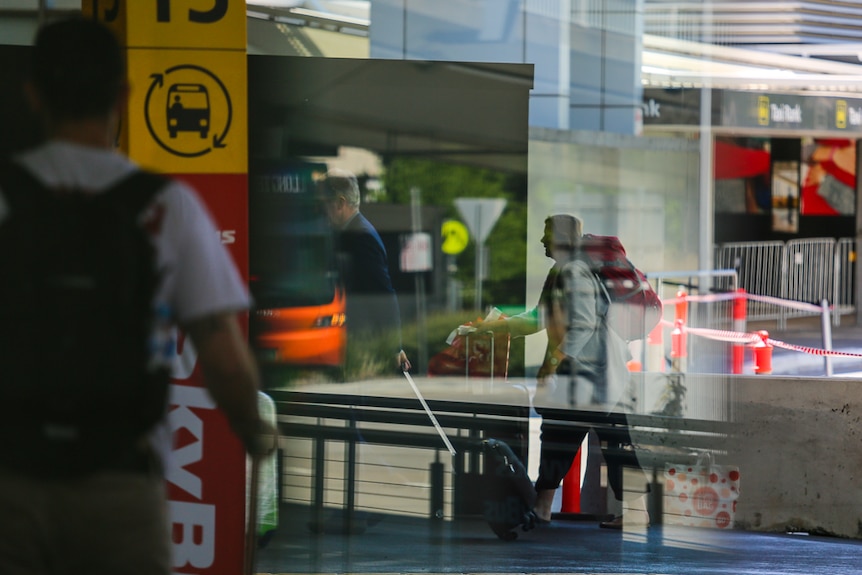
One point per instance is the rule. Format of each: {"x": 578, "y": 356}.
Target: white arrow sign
{"x": 480, "y": 215}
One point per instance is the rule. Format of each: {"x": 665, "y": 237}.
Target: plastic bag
{"x": 701, "y": 495}
{"x": 267, "y": 484}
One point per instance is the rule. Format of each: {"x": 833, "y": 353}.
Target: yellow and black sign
{"x": 841, "y": 114}
{"x": 763, "y": 110}
{"x": 187, "y": 66}
{"x": 187, "y": 110}
{"x": 455, "y": 237}
{"x": 210, "y": 24}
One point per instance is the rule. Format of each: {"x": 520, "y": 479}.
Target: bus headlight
{"x": 334, "y": 320}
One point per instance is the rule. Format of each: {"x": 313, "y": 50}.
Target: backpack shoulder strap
{"x": 603, "y": 297}
{"x": 137, "y": 189}
{"x": 18, "y": 184}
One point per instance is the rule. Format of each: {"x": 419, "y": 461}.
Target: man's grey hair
{"x": 567, "y": 230}
{"x": 342, "y": 183}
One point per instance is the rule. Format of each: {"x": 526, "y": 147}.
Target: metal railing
{"x": 844, "y": 286}
{"x": 809, "y": 270}
{"x": 806, "y": 270}
{"x": 379, "y": 454}
{"x": 759, "y": 266}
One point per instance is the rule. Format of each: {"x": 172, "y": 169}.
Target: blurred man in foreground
{"x": 101, "y": 260}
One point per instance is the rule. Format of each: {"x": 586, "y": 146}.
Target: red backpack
{"x": 634, "y": 306}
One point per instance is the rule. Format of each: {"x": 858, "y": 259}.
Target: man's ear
{"x": 34, "y": 98}
{"x": 118, "y": 112}
{"x": 123, "y": 98}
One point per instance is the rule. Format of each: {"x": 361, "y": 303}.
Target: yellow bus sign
{"x": 188, "y": 117}
{"x": 219, "y": 24}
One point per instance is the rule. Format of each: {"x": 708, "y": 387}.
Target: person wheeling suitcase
{"x": 585, "y": 360}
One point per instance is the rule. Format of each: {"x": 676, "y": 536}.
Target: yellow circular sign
{"x": 455, "y": 237}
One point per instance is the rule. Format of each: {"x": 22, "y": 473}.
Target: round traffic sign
{"x": 455, "y": 237}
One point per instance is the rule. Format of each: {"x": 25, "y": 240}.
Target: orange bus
{"x": 299, "y": 305}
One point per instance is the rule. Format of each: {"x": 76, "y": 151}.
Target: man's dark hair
{"x": 78, "y": 68}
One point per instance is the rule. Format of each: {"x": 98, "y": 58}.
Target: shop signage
{"x": 672, "y": 107}
{"x": 753, "y": 110}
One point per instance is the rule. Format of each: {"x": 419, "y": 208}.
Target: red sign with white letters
{"x": 206, "y": 471}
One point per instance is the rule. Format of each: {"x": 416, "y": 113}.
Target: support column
{"x": 186, "y": 117}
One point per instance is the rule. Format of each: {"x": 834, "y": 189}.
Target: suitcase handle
{"x": 430, "y": 413}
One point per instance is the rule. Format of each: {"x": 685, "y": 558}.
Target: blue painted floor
{"x": 395, "y": 544}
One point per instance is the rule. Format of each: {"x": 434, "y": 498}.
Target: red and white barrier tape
{"x": 715, "y": 298}
{"x": 728, "y": 336}
{"x": 812, "y": 350}
{"x": 755, "y": 339}
{"x": 798, "y": 305}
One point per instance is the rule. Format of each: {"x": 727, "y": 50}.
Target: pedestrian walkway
{"x": 398, "y": 544}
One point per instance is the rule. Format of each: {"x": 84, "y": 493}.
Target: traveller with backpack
{"x": 585, "y": 359}
{"x": 100, "y": 261}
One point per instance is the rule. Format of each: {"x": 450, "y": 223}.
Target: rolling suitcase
{"x": 509, "y": 497}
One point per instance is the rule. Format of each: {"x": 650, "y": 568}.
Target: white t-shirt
{"x": 199, "y": 277}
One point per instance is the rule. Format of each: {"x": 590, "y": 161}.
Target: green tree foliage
{"x": 441, "y": 184}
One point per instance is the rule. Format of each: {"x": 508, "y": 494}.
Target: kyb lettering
{"x": 184, "y": 398}
{"x": 193, "y": 522}
{"x": 193, "y": 534}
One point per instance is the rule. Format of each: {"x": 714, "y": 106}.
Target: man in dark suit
{"x": 372, "y": 305}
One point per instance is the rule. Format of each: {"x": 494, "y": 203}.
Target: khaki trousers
{"x": 107, "y": 523}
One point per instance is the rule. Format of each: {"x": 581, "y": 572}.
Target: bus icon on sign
{"x": 188, "y": 109}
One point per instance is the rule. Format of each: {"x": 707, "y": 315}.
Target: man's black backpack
{"x": 77, "y": 391}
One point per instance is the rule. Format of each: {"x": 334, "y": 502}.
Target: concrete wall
{"x": 796, "y": 440}
{"x": 800, "y": 455}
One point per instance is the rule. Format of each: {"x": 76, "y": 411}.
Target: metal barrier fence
{"x": 759, "y": 268}
{"x": 809, "y": 271}
{"x": 845, "y": 278}
{"x": 806, "y": 270}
